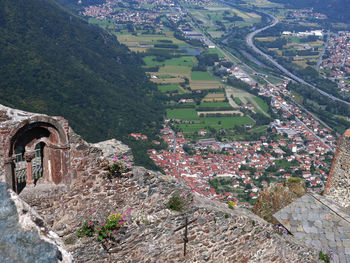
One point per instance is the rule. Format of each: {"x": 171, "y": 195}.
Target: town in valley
{"x": 234, "y": 123}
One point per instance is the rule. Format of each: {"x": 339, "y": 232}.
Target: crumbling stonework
{"x": 275, "y": 197}
{"x": 338, "y": 183}
{"x": 64, "y": 153}
{"x": 20, "y": 134}
{"x": 219, "y": 234}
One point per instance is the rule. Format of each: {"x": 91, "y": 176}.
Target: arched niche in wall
{"x": 37, "y": 148}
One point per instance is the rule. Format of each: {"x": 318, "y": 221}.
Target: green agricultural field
{"x": 214, "y": 104}
{"x": 170, "y": 88}
{"x": 201, "y": 75}
{"x": 184, "y": 61}
{"x": 274, "y": 80}
{"x": 182, "y": 114}
{"x": 215, "y": 51}
{"x": 216, "y": 123}
{"x": 150, "y": 39}
{"x": 293, "y": 39}
{"x": 263, "y": 105}
{"x": 259, "y": 129}
{"x": 165, "y": 76}
{"x": 238, "y": 101}
{"x": 263, "y": 3}
{"x": 175, "y": 70}
{"x": 285, "y": 163}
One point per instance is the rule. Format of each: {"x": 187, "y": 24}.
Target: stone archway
{"x": 24, "y": 164}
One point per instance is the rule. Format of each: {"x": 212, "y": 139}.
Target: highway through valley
{"x": 250, "y": 43}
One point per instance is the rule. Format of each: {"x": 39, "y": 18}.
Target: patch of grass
{"x": 181, "y": 70}
{"x": 263, "y": 105}
{"x": 324, "y": 257}
{"x": 165, "y": 76}
{"x": 216, "y": 123}
{"x": 215, "y": 51}
{"x": 238, "y": 101}
{"x": 170, "y": 88}
{"x": 259, "y": 129}
{"x": 294, "y": 180}
{"x": 182, "y": 114}
{"x": 214, "y": 104}
{"x": 151, "y": 39}
{"x": 284, "y": 163}
{"x": 201, "y": 75}
{"x": 186, "y": 61}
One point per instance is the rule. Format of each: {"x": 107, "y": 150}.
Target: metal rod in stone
{"x": 184, "y": 225}
{"x": 185, "y": 234}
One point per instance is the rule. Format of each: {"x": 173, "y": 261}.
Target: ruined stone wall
{"x": 338, "y": 183}
{"x": 220, "y": 234}
{"x": 65, "y": 155}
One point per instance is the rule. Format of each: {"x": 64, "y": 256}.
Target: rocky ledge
{"x": 219, "y": 234}
{"x": 25, "y": 237}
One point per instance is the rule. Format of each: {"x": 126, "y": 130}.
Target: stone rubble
{"x": 111, "y": 148}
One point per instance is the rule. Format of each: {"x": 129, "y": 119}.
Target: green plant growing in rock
{"x": 325, "y": 257}
{"x": 109, "y": 227}
{"x": 87, "y": 229}
{"x": 179, "y": 202}
{"x": 142, "y": 219}
{"x": 118, "y": 167}
{"x": 69, "y": 241}
{"x": 106, "y": 231}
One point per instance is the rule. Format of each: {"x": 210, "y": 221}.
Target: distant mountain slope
{"x": 54, "y": 62}
{"x": 338, "y": 10}
{"x": 76, "y": 4}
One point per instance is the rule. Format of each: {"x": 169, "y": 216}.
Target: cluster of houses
{"x": 213, "y": 159}
{"x": 309, "y": 147}
{"x": 337, "y": 64}
{"x": 138, "y": 136}
{"x": 110, "y": 10}
{"x": 304, "y": 143}
{"x": 307, "y": 13}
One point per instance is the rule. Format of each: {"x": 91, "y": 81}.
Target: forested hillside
{"x": 76, "y": 5}
{"x": 56, "y": 63}
{"x": 336, "y": 10}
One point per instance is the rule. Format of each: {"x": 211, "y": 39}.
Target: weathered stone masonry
{"x": 338, "y": 183}
{"x": 23, "y": 134}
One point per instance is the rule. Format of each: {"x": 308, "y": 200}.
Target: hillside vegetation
{"x": 75, "y": 5}
{"x": 56, "y": 63}
{"x": 337, "y": 10}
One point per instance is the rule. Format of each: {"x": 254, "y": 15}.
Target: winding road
{"x": 323, "y": 51}
{"x": 250, "y": 43}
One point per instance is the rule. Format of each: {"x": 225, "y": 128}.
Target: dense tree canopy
{"x": 56, "y": 63}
